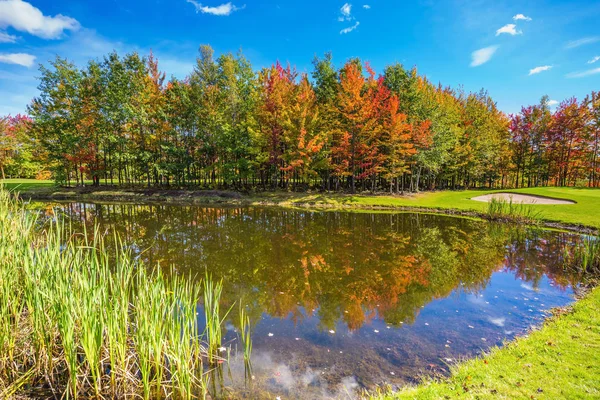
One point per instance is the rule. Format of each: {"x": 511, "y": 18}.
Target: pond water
{"x": 341, "y": 302}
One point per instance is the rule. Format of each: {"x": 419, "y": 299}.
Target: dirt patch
{"x": 521, "y": 198}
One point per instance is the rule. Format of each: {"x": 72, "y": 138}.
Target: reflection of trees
{"x": 343, "y": 266}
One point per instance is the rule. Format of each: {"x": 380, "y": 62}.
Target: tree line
{"x": 119, "y": 120}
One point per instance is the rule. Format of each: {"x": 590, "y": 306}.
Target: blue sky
{"x": 516, "y": 50}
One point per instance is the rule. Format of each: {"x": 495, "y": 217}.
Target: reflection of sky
{"x": 302, "y": 361}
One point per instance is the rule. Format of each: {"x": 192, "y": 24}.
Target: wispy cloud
{"x": 223, "y": 10}
{"x": 24, "y": 17}
{"x": 367, "y": 7}
{"x": 26, "y": 60}
{"x": 593, "y": 60}
{"x": 6, "y": 38}
{"x": 510, "y": 29}
{"x": 552, "y": 103}
{"x": 346, "y": 13}
{"x": 537, "y": 70}
{"x": 581, "y": 42}
{"x": 521, "y": 17}
{"x": 583, "y": 74}
{"x": 481, "y": 56}
{"x": 350, "y": 28}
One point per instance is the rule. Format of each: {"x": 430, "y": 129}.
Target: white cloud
{"x": 481, "y": 56}
{"x": 346, "y": 11}
{"x": 222, "y": 10}
{"x": 552, "y": 103}
{"x": 367, "y": 7}
{"x": 350, "y": 28}
{"x": 584, "y": 73}
{"x": 26, "y": 60}
{"x": 593, "y": 60}
{"x": 580, "y": 42}
{"x": 537, "y": 70}
{"x": 6, "y": 38}
{"x": 521, "y": 17}
{"x": 510, "y": 29}
{"x": 24, "y": 17}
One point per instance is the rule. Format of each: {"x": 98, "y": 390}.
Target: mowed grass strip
{"x": 25, "y": 184}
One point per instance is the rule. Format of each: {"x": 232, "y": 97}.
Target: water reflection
{"x": 343, "y": 301}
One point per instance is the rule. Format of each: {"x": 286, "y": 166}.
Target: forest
{"x": 120, "y": 121}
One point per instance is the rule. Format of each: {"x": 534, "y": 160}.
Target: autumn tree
{"x": 593, "y": 138}
{"x": 355, "y": 152}
{"x": 7, "y": 144}
{"x": 277, "y": 86}
{"x": 302, "y": 137}
{"x": 566, "y": 142}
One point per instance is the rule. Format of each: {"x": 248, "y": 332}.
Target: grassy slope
{"x": 560, "y": 361}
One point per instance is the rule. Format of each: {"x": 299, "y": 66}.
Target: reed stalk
{"x": 80, "y": 320}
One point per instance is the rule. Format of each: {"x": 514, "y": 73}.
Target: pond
{"x": 342, "y": 302}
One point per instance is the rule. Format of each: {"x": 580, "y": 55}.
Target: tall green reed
{"x": 246, "y": 339}
{"x": 583, "y": 257}
{"x": 89, "y": 321}
{"x": 499, "y": 209}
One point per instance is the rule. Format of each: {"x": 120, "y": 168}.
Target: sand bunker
{"x": 521, "y": 198}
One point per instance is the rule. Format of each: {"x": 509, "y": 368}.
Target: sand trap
{"x": 521, "y": 198}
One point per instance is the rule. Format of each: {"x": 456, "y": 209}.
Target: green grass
{"x": 559, "y": 361}
{"x": 25, "y": 184}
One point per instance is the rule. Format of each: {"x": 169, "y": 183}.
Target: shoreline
{"x": 314, "y": 201}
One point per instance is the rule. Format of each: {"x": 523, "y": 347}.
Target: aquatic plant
{"x": 245, "y": 335}
{"x": 246, "y": 339}
{"x": 500, "y": 209}
{"x": 214, "y": 319}
{"x": 78, "y": 321}
{"x": 583, "y": 257}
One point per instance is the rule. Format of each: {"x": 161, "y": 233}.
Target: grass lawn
{"x": 560, "y": 361}
{"x": 25, "y": 184}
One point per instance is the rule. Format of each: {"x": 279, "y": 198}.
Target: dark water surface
{"x": 341, "y": 302}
